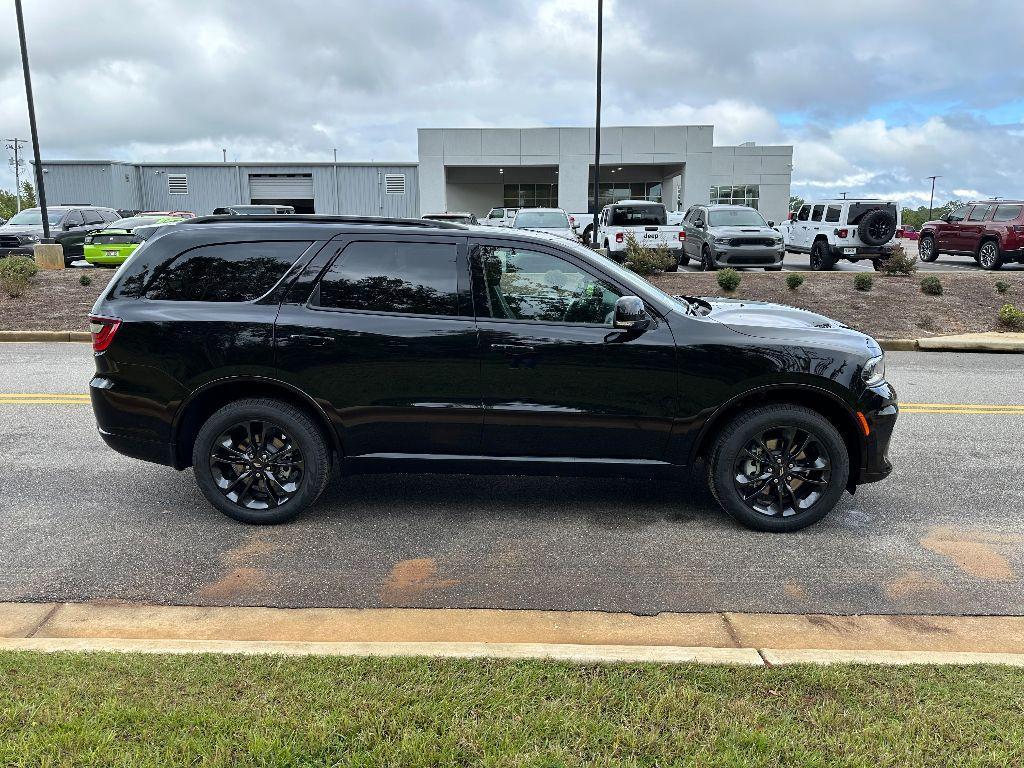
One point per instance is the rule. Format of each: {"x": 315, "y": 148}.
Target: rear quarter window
{"x": 1007, "y": 212}
{"x": 225, "y": 272}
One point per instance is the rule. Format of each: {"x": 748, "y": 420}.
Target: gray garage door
{"x": 280, "y": 186}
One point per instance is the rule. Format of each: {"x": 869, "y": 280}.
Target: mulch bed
{"x": 894, "y": 308}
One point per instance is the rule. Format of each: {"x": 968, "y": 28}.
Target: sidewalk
{"x": 725, "y": 638}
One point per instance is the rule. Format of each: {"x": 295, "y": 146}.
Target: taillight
{"x": 1018, "y": 228}
{"x": 103, "y": 330}
{"x": 842, "y": 233}
{"x": 682, "y": 235}
{"x": 619, "y": 237}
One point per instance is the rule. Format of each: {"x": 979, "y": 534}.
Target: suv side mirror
{"x": 771, "y": 223}
{"x": 630, "y": 314}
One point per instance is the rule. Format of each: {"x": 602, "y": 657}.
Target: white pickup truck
{"x": 646, "y": 221}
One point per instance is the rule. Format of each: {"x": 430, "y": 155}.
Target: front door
{"x": 385, "y": 341}
{"x": 558, "y": 380}
{"x": 947, "y": 231}
{"x": 801, "y": 229}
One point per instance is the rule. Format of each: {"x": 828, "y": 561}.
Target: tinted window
{"x": 979, "y": 213}
{"x": 33, "y": 217}
{"x": 816, "y": 213}
{"x": 832, "y": 213}
{"x": 109, "y": 215}
{"x": 1007, "y": 212}
{"x": 528, "y": 285}
{"x": 412, "y": 278}
{"x": 805, "y": 211}
{"x": 639, "y": 216}
{"x": 224, "y": 272}
{"x": 73, "y": 219}
{"x": 92, "y": 217}
{"x": 497, "y": 213}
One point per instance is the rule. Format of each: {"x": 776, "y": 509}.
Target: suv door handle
{"x": 313, "y": 341}
{"x": 513, "y": 348}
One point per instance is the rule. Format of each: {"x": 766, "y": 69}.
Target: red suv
{"x": 992, "y": 231}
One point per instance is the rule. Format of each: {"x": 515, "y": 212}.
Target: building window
{"x": 742, "y": 194}
{"x": 531, "y": 196}
{"x": 612, "y": 192}
{"x": 394, "y": 183}
{"x": 177, "y": 184}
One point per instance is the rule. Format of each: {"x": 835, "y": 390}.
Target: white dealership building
{"x": 458, "y": 169}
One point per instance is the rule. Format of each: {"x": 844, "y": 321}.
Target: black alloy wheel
{"x": 782, "y": 471}
{"x": 820, "y": 259}
{"x": 257, "y": 465}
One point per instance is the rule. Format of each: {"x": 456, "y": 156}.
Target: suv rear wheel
{"x": 821, "y": 259}
{"x": 260, "y": 461}
{"x": 989, "y": 256}
{"x": 926, "y": 249}
{"x": 778, "y": 468}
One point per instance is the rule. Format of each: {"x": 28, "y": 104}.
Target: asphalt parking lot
{"x": 801, "y": 262}
{"x": 945, "y": 534}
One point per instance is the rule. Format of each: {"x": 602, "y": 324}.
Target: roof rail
{"x": 305, "y": 218}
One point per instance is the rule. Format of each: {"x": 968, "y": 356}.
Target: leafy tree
{"x": 795, "y": 202}
{"x": 917, "y": 217}
{"x": 9, "y": 201}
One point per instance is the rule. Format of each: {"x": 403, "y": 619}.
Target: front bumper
{"x": 21, "y": 250}
{"x": 880, "y": 409}
{"x": 748, "y": 255}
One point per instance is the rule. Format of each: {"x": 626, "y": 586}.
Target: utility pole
{"x": 40, "y": 188}
{"x": 931, "y": 200}
{"x": 597, "y": 123}
{"x": 16, "y": 146}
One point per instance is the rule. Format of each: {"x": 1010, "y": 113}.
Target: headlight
{"x": 874, "y": 371}
{"x": 30, "y": 238}
{"x": 88, "y": 240}
{"x": 719, "y": 240}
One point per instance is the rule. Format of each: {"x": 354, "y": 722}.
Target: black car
{"x": 69, "y": 226}
{"x": 266, "y": 351}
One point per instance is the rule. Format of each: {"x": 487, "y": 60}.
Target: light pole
{"x": 597, "y": 122}
{"x": 40, "y": 189}
{"x": 931, "y": 200}
{"x": 16, "y": 146}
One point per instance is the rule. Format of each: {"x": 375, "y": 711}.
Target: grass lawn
{"x": 140, "y": 710}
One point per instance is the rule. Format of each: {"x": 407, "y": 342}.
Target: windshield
{"x": 546, "y": 220}
{"x": 34, "y": 217}
{"x": 136, "y": 221}
{"x": 736, "y": 217}
{"x": 639, "y": 216}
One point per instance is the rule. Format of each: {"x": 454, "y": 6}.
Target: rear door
{"x": 380, "y": 332}
{"x": 971, "y": 228}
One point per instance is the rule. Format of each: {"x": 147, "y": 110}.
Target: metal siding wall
{"x": 208, "y": 188}
{"x": 362, "y": 191}
{"x": 90, "y": 184}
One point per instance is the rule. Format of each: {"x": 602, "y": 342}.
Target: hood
{"x": 777, "y": 321}
{"x": 743, "y": 231}
{"x": 23, "y": 229}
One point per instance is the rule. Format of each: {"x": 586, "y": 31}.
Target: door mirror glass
{"x": 771, "y": 223}
{"x": 630, "y": 314}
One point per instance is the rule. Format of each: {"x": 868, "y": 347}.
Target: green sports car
{"x": 113, "y": 245}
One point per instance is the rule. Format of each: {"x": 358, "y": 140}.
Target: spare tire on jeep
{"x": 877, "y": 227}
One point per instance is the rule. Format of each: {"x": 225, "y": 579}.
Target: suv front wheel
{"x": 926, "y": 250}
{"x": 260, "y": 461}
{"x": 778, "y": 468}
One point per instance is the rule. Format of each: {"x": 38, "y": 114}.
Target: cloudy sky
{"x": 874, "y": 95}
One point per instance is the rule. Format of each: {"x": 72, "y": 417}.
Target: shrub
{"x": 899, "y": 263}
{"x": 728, "y": 279}
{"x": 794, "y": 280}
{"x": 932, "y": 286}
{"x": 85, "y": 280}
{"x": 862, "y": 281}
{"x": 1011, "y": 317}
{"x": 1002, "y": 287}
{"x": 15, "y": 274}
{"x": 646, "y": 261}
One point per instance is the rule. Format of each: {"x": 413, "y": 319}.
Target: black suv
{"x": 266, "y": 351}
{"x": 69, "y": 225}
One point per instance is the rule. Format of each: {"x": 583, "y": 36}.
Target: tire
{"x": 776, "y": 268}
{"x": 674, "y": 266}
{"x": 926, "y": 250}
{"x": 729, "y": 467}
{"x": 236, "y": 424}
{"x": 989, "y": 256}
{"x": 821, "y": 259}
{"x": 707, "y": 261}
{"x": 588, "y": 235}
{"x": 877, "y": 227}
{"x": 684, "y": 260}
{"x": 878, "y": 265}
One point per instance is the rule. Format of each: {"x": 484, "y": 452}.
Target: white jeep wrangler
{"x": 852, "y": 229}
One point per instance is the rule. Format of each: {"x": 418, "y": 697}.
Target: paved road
{"x": 801, "y": 262}
{"x": 945, "y": 534}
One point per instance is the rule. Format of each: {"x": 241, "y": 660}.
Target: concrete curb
{"x": 580, "y": 636}
{"x": 898, "y": 345}
{"x": 51, "y": 336}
